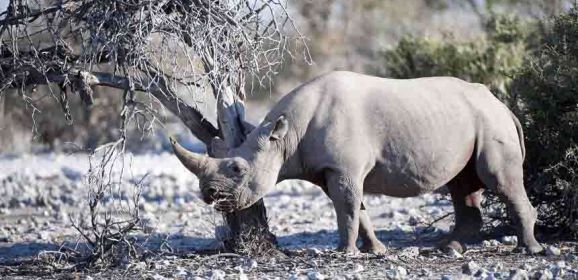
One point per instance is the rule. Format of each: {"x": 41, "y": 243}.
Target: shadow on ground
{"x": 15, "y": 253}
{"x": 182, "y": 244}
{"x": 10, "y": 252}
{"x": 425, "y": 237}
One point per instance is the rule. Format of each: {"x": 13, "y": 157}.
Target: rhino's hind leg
{"x": 466, "y": 191}
{"x": 370, "y": 243}
{"x": 503, "y": 172}
{"x": 346, "y": 195}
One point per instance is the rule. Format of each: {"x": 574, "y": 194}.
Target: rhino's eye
{"x": 236, "y": 168}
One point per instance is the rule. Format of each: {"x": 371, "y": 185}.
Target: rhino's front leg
{"x": 370, "y": 242}
{"x": 346, "y": 195}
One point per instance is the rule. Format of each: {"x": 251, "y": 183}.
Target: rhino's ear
{"x": 219, "y": 148}
{"x": 280, "y": 129}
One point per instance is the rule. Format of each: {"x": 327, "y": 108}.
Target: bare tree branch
{"x": 166, "y": 49}
{"x": 191, "y": 116}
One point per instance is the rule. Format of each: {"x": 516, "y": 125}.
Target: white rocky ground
{"x": 37, "y": 194}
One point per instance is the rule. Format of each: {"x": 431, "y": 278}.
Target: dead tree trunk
{"x": 3, "y": 120}
{"x": 248, "y": 228}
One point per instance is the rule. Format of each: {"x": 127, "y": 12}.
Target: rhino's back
{"x": 409, "y": 136}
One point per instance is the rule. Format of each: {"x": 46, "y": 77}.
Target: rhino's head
{"x": 243, "y": 175}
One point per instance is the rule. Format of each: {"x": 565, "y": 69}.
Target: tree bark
{"x": 3, "y": 121}
{"x": 249, "y": 229}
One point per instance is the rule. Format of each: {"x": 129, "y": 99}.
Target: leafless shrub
{"x": 113, "y": 212}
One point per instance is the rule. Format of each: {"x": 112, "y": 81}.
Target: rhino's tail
{"x": 520, "y": 134}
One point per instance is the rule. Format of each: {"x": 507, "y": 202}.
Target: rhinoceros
{"x": 352, "y": 134}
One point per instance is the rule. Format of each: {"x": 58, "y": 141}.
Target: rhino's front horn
{"x": 194, "y": 162}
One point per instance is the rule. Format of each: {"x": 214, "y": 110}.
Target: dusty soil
{"x": 37, "y": 194}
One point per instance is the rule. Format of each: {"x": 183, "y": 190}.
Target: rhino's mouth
{"x": 211, "y": 194}
{"x": 225, "y": 205}
{"x": 224, "y": 201}
{"x": 230, "y": 202}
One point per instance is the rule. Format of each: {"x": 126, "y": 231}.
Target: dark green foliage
{"x": 536, "y": 74}
{"x": 491, "y": 60}
{"x": 548, "y": 88}
{"x": 555, "y": 194}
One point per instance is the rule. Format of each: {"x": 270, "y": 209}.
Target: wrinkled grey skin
{"x": 353, "y": 134}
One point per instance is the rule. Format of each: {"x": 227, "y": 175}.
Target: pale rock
{"x": 470, "y": 268}
{"x": 557, "y": 269}
{"x": 404, "y": 228}
{"x": 424, "y": 273}
{"x": 43, "y": 235}
{"x": 396, "y": 272}
{"x": 560, "y": 264}
{"x": 544, "y": 274}
{"x": 410, "y": 252}
{"x": 148, "y": 207}
{"x": 496, "y": 267}
{"x": 217, "y": 274}
{"x": 242, "y": 275}
{"x": 250, "y": 264}
{"x": 518, "y": 274}
{"x": 454, "y": 254}
{"x": 527, "y": 266}
{"x": 495, "y": 242}
{"x": 140, "y": 266}
{"x": 158, "y": 277}
{"x": 179, "y": 201}
{"x": 552, "y": 251}
{"x": 510, "y": 240}
{"x": 313, "y": 251}
{"x": 483, "y": 273}
{"x": 181, "y": 272}
{"x": 315, "y": 275}
{"x": 434, "y": 211}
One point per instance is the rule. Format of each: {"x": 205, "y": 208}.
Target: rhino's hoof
{"x": 455, "y": 245}
{"x": 532, "y": 249}
{"x": 375, "y": 248}
{"x": 536, "y": 249}
{"x": 348, "y": 250}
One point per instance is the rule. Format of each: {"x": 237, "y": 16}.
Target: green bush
{"x": 536, "y": 74}
{"x": 491, "y": 60}
{"x": 548, "y": 89}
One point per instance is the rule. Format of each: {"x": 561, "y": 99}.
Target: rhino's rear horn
{"x": 196, "y": 163}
